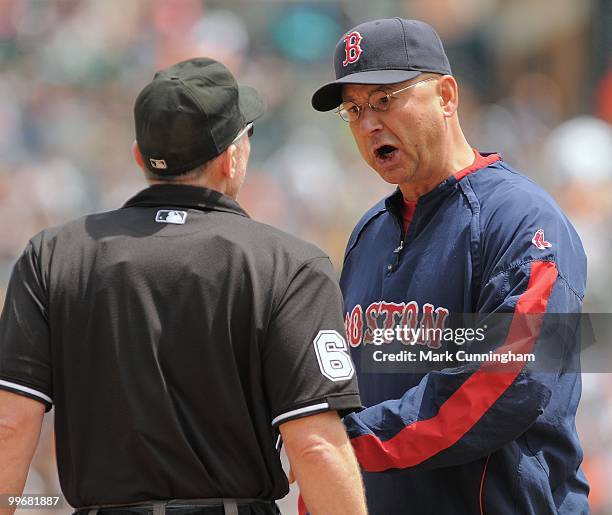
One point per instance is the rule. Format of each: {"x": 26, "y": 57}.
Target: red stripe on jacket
{"x": 480, "y": 161}
{"x": 302, "y": 510}
{"x": 423, "y": 439}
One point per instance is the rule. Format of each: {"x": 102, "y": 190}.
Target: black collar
{"x": 175, "y": 195}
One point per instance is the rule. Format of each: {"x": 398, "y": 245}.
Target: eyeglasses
{"x": 248, "y": 128}
{"x": 378, "y": 100}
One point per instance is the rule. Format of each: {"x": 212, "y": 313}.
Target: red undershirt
{"x": 479, "y": 162}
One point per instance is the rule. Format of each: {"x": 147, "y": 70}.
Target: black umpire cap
{"x": 384, "y": 51}
{"x": 190, "y": 113}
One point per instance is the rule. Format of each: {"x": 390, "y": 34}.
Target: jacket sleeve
{"x": 457, "y": 415}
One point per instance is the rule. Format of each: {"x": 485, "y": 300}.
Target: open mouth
{"x": 385, "y": 152}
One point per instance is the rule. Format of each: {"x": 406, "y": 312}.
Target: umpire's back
{"x": 169, "y": 344}
{"x": 176, "y": 335}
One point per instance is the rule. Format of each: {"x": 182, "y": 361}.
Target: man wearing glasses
{"x": 463, "y": 233}
{"x": 177, "y": 338}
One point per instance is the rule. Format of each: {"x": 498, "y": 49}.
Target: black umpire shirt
{"x": 173, "y": 336}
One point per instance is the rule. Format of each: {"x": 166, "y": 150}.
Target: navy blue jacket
{"x": 469, "y": 438}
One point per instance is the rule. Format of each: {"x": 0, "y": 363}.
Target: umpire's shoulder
{"x": 277, "y": 256}
{"x": 270, "y": 240}
{"x": 63, "y": 237}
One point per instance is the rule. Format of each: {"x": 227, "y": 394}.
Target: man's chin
{"x": 393, "y": 176}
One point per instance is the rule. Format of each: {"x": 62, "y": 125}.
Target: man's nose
{"x": 369, "y": 120}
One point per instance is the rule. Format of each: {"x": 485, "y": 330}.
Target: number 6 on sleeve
{"x": 334, "y": 361}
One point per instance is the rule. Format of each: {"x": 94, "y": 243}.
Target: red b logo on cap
{"x": 353, "y": 49}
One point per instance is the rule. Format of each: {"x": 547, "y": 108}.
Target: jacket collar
{"x": 194, "y": 197}
{"x": 394, "y": 202}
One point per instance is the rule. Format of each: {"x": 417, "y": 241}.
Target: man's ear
{"x": 137, "y": 155}
{"x": 230, "y": 159}
{"x": 449, "y": 95}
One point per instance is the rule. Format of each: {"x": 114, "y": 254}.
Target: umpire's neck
{"x": 224, "y": 173}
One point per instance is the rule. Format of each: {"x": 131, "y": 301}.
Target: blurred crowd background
{"x": 536, "y": 86}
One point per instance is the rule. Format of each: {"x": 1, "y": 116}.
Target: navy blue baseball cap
{"x": 384, "y": 51}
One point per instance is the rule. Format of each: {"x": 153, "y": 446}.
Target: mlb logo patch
{"x": 159, "y": 164}
{"x": 168, "y": 216}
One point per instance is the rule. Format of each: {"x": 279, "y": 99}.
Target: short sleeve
{"x": 25, "y": 357}
{"x": 306, "y": 361}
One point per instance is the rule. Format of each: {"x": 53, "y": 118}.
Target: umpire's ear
{"x": 229, "y": 161}
{"x": 137, "y": 155}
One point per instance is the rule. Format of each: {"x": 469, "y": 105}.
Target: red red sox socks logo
{"x": 352, "y": 48}
{"x": 418, "y": 326}
{"x": 539, "y": 241}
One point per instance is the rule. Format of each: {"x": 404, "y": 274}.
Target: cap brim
{"x": 252, "y": 105}
{"x": 329, "y": 96}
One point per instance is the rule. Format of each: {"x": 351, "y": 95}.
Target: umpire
{"x": 178, "y": 339}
